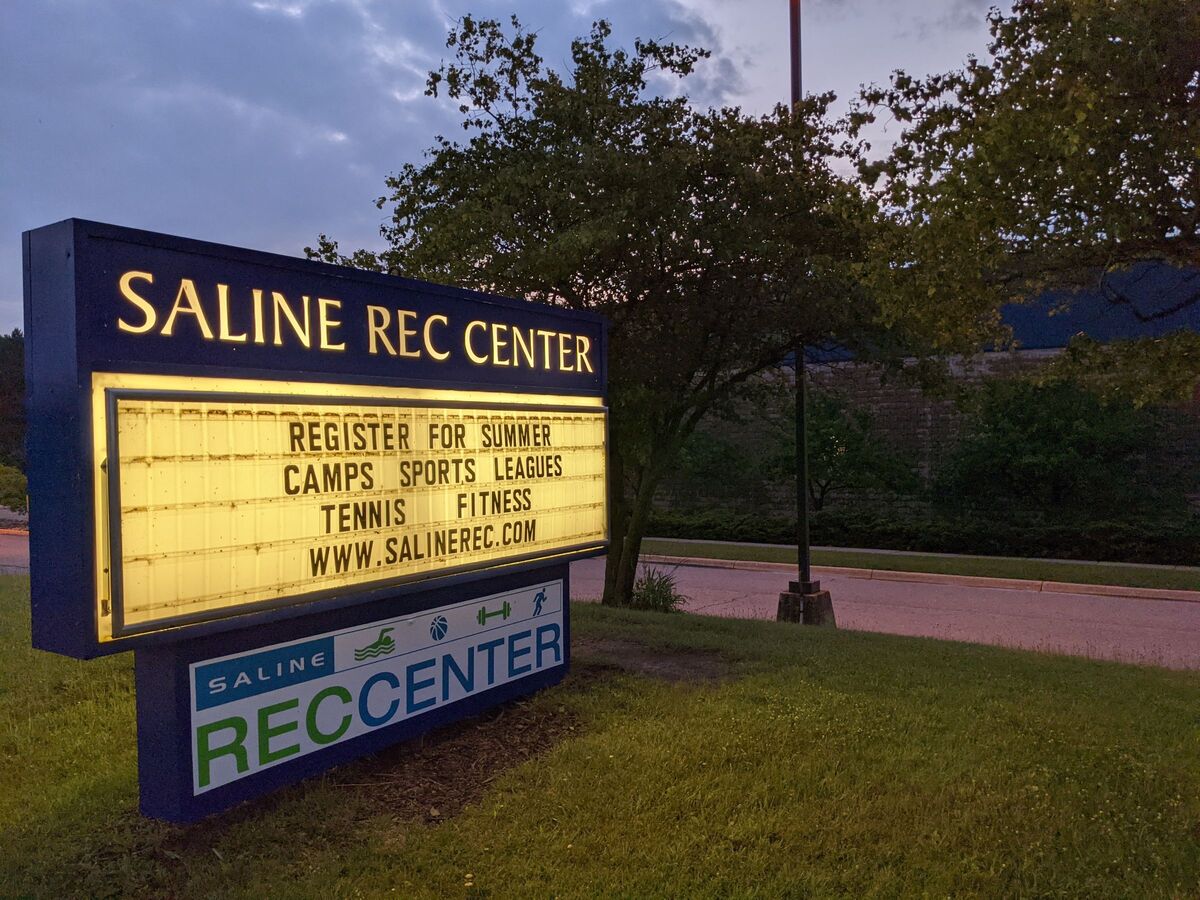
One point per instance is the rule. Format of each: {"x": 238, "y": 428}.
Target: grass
{"x": 1186, "y": 579}
{"x": 827, "y": 763}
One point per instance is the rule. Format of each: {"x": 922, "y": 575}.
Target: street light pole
{"x": 797, "y": 91}
{"x": 804, "y": 601}
{"x": 804, "y": 554}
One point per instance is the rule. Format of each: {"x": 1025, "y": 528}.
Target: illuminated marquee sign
{"x": 220, "y": 502}
{"x": 231, "y": 450}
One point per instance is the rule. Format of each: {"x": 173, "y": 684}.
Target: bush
{"x": 656, "y": 590}
{"x": 1053, "y": 448}
{"x": 720, "y": 526}
{"x": 1166, "y": 542}
{"x": 13, "y": 489}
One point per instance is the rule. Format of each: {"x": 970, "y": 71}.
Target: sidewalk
{"x": 972, "y": 581}
{"x": 1144, "y": 631}
{"x": 972, "y": 556}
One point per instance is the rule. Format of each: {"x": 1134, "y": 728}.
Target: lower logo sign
{"x": 252, "y": 711}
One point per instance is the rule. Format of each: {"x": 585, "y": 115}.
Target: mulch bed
{"x": 433, "y": 777}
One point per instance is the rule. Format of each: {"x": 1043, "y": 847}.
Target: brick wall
{"x": 921, "y": 427}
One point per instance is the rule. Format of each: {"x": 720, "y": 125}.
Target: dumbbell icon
{"x": 503, "y": 612}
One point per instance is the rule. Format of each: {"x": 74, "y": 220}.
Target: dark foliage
{"x": 1054, "y": 449}
{"x": 12, "y": 399}
{"x": 1127, "y": 540}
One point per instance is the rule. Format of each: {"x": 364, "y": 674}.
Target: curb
{"x": 1010, "y": 584}
{"x": 24, "y": 531}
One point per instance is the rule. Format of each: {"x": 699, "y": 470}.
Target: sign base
{"x": 223, "y": 721}
{"x": 810, "y": 609}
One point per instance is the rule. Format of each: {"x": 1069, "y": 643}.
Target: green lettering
{"x": 266, "y": 731}
{"x": 310, "y": 719}
{"x": 205, "y": 753}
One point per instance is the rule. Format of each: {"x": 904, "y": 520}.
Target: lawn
{"x": 797, "y": 762}
{"x": 1175, "y": 578}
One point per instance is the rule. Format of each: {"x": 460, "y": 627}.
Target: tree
{"x": 711, "y": 240}
{"x": 846, "y": 451}
{"x": 1054, "y": 449}
{"x": 1065, "y": 159}
{"x": 12, "y": 399}
{"x": 13, "y": 489}
{"x": 1152, "y": 371}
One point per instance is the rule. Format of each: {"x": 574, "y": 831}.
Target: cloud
{"x": 256, "y": 123}
{"x": 264, "y": 122}
{"x": 953, "y": 16}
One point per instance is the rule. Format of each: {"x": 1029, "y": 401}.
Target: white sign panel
{"x": 254, "y": 710}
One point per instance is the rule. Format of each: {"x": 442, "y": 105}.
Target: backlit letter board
{"x": 327, "y": 508}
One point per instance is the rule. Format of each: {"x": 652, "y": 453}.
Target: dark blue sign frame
{"x": 74, "y": 303}
{"x": 72, "y": 306}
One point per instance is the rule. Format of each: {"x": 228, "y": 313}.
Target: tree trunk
{"x": 631, "y": 487}
{"x": 816, "y": 493}
{"x": 629, "y": 515}
{"x": 620, "y": 570}
{"x": 618, "y": 520}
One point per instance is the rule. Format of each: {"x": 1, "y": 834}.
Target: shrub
{"x": 721, "y": 526}
{"x": 12, "y": 489}
{"x": 1167, "y": 542}
{"x": 1054, "y": 448}
{"x": 656, "y": 590}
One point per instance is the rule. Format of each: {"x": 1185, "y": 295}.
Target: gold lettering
{"x": 475, "y": 357}
{"x": 258, "y": 316}
{"x": 140, "y": 302}
{"x": 223, "y": 316}
{"x": 564, "y": 350}
{"x": 583, "y": 346}
{"x": 520, "y": 348}
{"x": 281, "y": 305}
{"x": 498, "y": 344}
{"x": 188, "y": 290}
{"x": 439, "y": 355}
{"x": 327, "y": 324}
{"x": 402, "y": 316}
{"x": 378, "y": 319}
{"x": 545, "y": 336}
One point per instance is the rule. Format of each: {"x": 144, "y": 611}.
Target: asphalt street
{"x": 1148, "y": 632}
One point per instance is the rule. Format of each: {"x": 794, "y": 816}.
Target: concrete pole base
{"x": 810, "y": 609}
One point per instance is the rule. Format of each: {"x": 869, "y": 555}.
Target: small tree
{"x": 845, "y": 449}
{"x": 847, "y": 452}
{"x": 12, "y": 399}
{"x": 12, "y": 489}
{"x": 711, "y": 240}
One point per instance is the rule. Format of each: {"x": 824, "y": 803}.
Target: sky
{"x": 262, "y": 123}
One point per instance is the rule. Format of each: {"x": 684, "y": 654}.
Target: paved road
{"x": 1155, "y": 632}
{"x": 1152, "y": 632}
{"x": 14, "y": 553}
